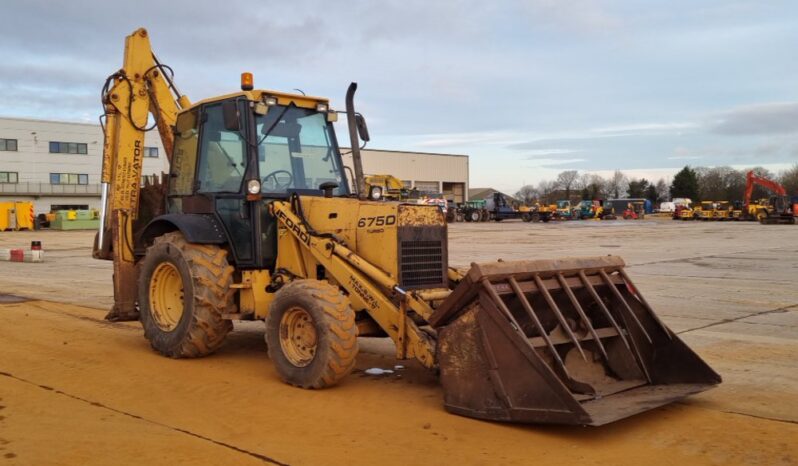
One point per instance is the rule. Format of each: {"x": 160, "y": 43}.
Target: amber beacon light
{"x": 246, "y": 81}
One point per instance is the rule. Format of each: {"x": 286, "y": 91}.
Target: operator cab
{"x": 234, "y": 154}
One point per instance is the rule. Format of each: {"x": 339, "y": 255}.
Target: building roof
{"x": 371, "y": 149}
{"x": 485, "y": 193}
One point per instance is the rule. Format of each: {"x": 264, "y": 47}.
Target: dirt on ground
{"x": 75, "y": 389}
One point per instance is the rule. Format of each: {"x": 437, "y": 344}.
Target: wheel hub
{"x": 298, "y": 336}
{"x": 166, "y": 296}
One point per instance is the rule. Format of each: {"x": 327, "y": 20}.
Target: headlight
{"x": 253, "y": 187}
{"x": 270, "y": 101}
{"x": 321, "y": 108}
{"x": 375, "y": 193}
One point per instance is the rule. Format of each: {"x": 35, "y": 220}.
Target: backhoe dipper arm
{"x": 140, "y": 88}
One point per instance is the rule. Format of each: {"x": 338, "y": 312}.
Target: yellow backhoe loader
{"x": 257, "y": 220}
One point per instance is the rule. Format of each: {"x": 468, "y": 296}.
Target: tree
{"x": 616, "y": 184}
{"x": 596, "y": 187}
{"x": 789, "y": 179}
{"x": 685, "y": 184}
{"x": 566, "y": 180}
{"x": 663, "y": 194}
{"x": 652, "y": 194}
{"x": 735, "y": 185}
{"x": 713, "y": 183}
{"x": 528, "y": 194}
{"x": 637, "y": 188}
{"x": 545, "y": 190}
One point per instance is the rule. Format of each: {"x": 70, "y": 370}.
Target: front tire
{"x": 311, "y": 334}
{"x": 183, "y": 291}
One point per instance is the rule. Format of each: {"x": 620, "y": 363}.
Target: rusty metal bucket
{"x": 566, "y": 341}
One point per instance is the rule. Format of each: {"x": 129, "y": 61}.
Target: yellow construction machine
{"x": 387, "y": 187}
{"x": 257, "y": 220}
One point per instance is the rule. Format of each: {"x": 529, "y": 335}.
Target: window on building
{"x": 69, "y": 207}
{"x": 151, "y": 152}
{"x": 68, "y": 148}
{"x": 9, "y": 177}
{"x": 69, "y": 178}
{"x": 430, "y": 187}
{"x": 8, "y": 144}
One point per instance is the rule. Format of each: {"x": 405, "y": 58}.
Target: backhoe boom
{"x": 141, "y": 88}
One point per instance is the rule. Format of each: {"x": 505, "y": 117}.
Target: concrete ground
{"x": 75, "y": 389}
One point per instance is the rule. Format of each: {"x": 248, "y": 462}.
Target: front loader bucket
{"x": 567, "y": 341}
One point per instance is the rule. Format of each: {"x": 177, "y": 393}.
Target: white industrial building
{"x": 57, "y": 165}
{"x": 430, "y": 173}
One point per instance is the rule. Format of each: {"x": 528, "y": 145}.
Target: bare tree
{"x": 789, "y": 179}
{"x": 663, "y": 191}
{"x": 584, "y": 181}
{"x": 617, "y": 184}
{"x": 528, "y": 194}
{"x": 713, "y": 183}
{"x": 567, "y": 181}
{"x": 545, "y": 190}
{"x": 597, "y": 187}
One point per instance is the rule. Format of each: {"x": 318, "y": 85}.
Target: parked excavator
{"x": 257, "y": 220}
{"x": 775, "y": 210}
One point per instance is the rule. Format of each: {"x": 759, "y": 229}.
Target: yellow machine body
{"x": 553, "y": 341}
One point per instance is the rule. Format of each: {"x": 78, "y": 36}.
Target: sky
{"x": 525, "y": 88}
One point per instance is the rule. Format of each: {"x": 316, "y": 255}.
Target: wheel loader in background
{"x": 257, "y": 220}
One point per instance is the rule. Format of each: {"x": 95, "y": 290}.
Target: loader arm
{"x": 139, "y": 89}
{"x": 369, "y": 288}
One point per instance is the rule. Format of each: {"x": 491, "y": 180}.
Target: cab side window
{"x": 222, "y": 154}
{"x": 184, "y": 157}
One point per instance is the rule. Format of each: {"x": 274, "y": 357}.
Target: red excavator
{"x": 776, "y": 210}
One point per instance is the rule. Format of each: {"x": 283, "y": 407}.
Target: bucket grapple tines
{"x": 562, "y": 341}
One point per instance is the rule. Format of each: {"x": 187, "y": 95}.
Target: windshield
{"x": 563, "y": 204}
{"x": 297, "y": 150}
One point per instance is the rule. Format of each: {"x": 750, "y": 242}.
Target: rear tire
{"x": 311, "y": 334}
{"x": 183, "y": 290}
{"x": 474, "y": 216}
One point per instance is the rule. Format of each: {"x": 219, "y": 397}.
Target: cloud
{"x": 551, "y": 154}
{"x": 464, "y": 139}
{"x": 685, "y": 157}
{"x": 769, "y": 118}
{"x": 583, "y": 16}
{"x": 555, "y": 163}
{"x": 645, "y": 128}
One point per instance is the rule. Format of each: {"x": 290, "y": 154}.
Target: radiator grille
{"x": 422, "y": 264}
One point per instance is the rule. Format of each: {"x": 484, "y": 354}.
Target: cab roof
{"x": 283, "y": 98}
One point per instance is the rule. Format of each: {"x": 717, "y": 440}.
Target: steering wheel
{"x": 277, "y": 185}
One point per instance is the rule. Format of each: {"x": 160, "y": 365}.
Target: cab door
{"x": 209, "y": 165}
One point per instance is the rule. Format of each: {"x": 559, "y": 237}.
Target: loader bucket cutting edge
{"x": 568, "y": 341}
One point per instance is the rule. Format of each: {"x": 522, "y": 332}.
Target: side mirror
{"x": 231, "y": 117}
{"x": 362, "y": 129}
